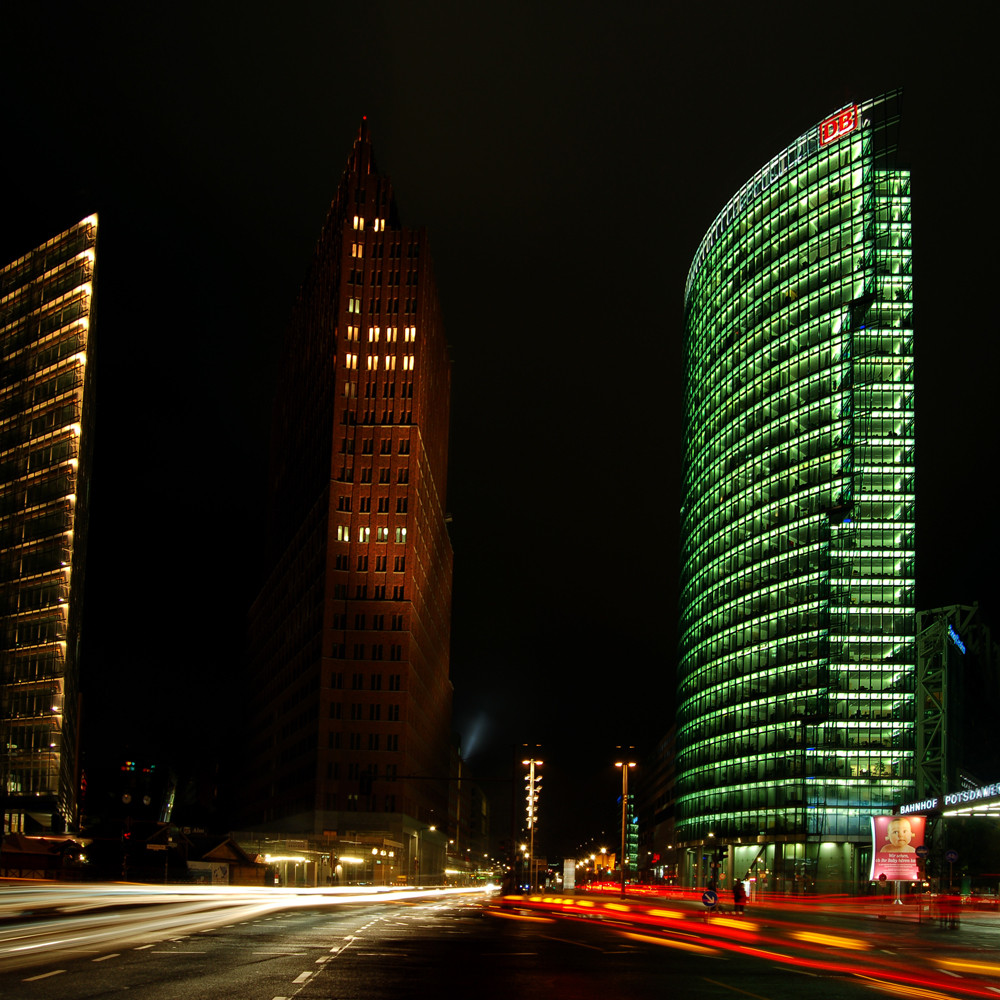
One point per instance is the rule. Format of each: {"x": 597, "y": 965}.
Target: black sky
{"x": 566, "y": 167}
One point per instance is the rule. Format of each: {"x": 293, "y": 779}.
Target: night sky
{"x": 566, "y": 167}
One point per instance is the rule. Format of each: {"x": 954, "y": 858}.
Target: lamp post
{"x": 416, "y": 853}
{"x": 532, "y": 788}
{"x": 624, "y": 765}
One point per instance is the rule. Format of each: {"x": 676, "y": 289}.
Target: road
{"x": 438, "y": 946}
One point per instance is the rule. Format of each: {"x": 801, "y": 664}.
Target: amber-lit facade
{"x": 46, "y": 419}
{"x": 349, "y": 637}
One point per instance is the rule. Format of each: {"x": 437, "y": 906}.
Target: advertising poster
{"x": 895, "y": 840}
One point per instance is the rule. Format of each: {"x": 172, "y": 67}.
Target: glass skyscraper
{"x": 46, "y": 416}
{"x": 797, "y": 661}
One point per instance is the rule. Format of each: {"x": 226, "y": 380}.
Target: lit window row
{"x": 381, "y": 534}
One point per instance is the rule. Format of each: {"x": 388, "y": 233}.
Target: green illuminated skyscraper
{"x": 797, "y": 660}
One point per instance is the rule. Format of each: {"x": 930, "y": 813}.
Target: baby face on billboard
{"x": 899, "y": 835}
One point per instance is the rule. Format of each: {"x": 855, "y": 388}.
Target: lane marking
{"x": 302, "y": 977}
{"x": 567, "y": 941}
{"x": 142, "y": 947}
{"x": 44, "y": 975}
{"x": 715, "y": 982}
{"x": 104, "y": 958}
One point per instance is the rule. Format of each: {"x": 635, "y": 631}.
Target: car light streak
{"x": 777, "y": 942}
{"x": 746, "y": 927}
{"x": 669, "y": 942}
{"x": 830, "y": 940}
{"x": 522, "y": 916}
{"x": 905, "y": 990}
{"x": 104, "y": 918}
{"x": 963, "y": 965}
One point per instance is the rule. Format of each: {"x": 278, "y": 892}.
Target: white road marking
{"x": 44, "y": 975}
{"x": 104, "y": 958}
{"x": 142, "y": 947}
{"x": 302, "y": 977}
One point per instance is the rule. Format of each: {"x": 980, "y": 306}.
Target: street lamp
{"x": 416, "y": 853}
{"x": 532, "y": 788}
{"x": 624, "y": 765}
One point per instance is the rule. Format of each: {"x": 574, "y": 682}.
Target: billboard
{"x": 895, "y": 840}
{"x": 569, "y": 875}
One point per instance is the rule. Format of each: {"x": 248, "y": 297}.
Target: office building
{"x": 46, "y": 421}
{"x": 797, "y": 659}
{"x": 349, "y": 637}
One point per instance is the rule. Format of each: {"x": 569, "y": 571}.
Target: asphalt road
{"x": 449, "y": 947}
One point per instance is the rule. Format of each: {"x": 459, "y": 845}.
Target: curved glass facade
{"x": 797, "y": 658}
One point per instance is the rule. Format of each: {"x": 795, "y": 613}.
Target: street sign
{"x": 951, "y": 855}
{"x": 710, "y": 898}
{"x": 922, "y": 851}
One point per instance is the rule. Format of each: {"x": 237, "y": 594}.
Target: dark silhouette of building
{"x": 349, "y": 636}
{"x": 657, "y": 841}
{"x": 46, "y": 421}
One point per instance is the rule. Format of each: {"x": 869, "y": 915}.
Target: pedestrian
{"x": 739, "y": 896}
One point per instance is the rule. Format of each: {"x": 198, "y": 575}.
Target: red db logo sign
{"x": 838, "y": 125}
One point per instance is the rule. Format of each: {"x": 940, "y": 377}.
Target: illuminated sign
{"x": 894, "y": 846}
{"x": 985, "y": 793}
{"x": 838, "y": 125}
{"x": 972, "y": 795}
{"x": 925, "y": 805}
{"x": 953, "y": 635}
